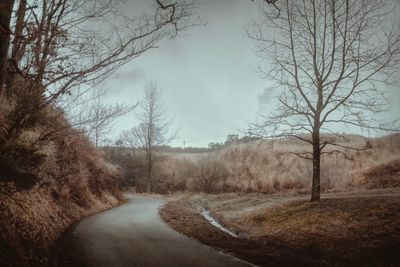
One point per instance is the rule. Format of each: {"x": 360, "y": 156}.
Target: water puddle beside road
{"x": 206, "y": 214}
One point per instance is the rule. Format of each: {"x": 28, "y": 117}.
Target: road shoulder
{"x": 349, "y": 228}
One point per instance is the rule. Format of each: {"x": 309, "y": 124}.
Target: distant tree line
{"x": 233, "y": 139}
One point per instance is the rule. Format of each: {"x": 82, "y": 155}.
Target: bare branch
{"x": 153, "y": 131}
{"x": 331, "y": 60}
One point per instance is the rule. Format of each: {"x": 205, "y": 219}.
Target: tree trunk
{"x": 17, "y": 50}
{"x": 5, "y": 17}
{"x": 96, "y": 138}
{"x": 316, "y": 181}
{"x": 149, "y": 169}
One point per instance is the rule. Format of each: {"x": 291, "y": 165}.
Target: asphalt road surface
{"x": 133, "y": 234}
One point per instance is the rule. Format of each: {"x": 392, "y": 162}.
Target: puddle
{"x": 206, "y": 214}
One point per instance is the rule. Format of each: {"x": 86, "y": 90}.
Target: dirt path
{"x": 134, "y": 235}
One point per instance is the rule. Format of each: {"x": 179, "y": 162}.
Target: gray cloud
{"x": 208, "y": 76}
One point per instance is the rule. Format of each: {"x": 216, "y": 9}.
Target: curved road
{"x": 133, "y": 234}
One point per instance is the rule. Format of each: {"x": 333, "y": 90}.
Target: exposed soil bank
{"x": 353, "y": 229}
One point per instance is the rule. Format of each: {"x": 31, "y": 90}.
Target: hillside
{"x": 343, "y": 229}
{"x": 46, "y": 184}
{"x": 273, "y": 166}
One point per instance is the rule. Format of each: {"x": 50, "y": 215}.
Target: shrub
{"x": 210, "y": 176}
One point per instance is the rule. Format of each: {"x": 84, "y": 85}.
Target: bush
{"x": 18, "y": 163}
{"x": 210, "y": 176}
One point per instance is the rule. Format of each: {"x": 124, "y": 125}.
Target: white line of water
{"x": 206, "y": 214}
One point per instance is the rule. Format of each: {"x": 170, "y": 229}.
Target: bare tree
{"x": 68, "y": 43}
{"x": 153, "y": 131}
{"x": 96, "y": 118}
{"x": 272, "y": 2}
{"x": 128, "y": 139}
{"x": 330, "y": 60}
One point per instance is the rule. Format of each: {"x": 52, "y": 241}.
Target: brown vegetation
{"x": 384, "y": 175}
{"x": 342, "y": 229}
{"x": 273, "y": 166}
{"x": 152, "y": 132}
{"x": 46, "y": 184}
{"x": 336, "y": 79}
{"x": 50, "y": 175}
{"x": 183, "y": 215}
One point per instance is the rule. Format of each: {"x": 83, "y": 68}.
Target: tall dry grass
{"x": 273, "y": 166}
{"x": 46, "y": 185}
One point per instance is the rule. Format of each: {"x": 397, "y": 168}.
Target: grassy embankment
{"x": 352, "y": 229}
{"x": 50, "y": 177}
{"x": 270, "y": 167}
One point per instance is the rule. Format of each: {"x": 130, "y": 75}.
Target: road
{"x": 133, "y": 234}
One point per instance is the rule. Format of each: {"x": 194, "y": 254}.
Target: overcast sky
{"x": 208, "y": 77}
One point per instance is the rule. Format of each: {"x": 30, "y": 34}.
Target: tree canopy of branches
{"x": 329, "y": 61}
{"x": 94, "y": 117}
{"x": 153, "y": 131}
{"x": 59, "y": 45}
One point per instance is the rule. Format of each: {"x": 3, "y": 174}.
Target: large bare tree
{"x": 329, "y": 60}
{"x": 154, "y": 129}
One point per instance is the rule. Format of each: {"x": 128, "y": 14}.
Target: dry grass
{"x": 46, "y": 186}
{"x": 385, "y": 175}
{"x": 183, "y": 215}
{"x": 352, "y": 230}
{"x": 32, "y": 221}
{"x": 74, "y": 181}
{"x": 347, "y": 229}
{"x": 271, "y": 166}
